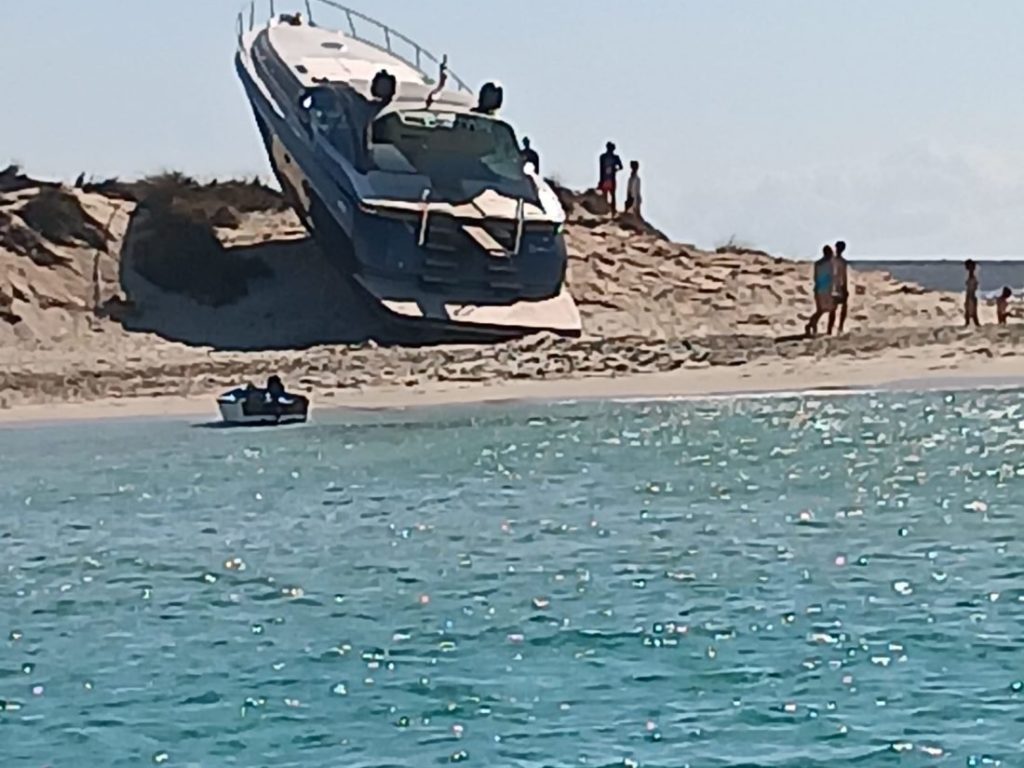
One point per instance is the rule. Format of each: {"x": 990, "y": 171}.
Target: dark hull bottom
{"x": 408, "y": 314}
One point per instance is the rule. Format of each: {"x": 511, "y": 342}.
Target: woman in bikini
{"x": 824, "y": 275}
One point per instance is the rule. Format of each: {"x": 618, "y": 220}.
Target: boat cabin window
{"x": 446, "y": 146}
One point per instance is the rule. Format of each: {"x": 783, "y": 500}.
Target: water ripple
{"x": 785, "y": 582}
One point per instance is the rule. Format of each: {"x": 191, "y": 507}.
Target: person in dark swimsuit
{"x": 530, "y": 156}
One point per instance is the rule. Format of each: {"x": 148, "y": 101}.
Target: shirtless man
{"x": 823, "y": 277}
{"x": 840, "y": 288}
{"x": 971, "y": 295}
{"x": 608, "y": 167}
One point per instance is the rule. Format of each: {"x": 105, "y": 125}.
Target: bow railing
{"x": 366, "y": 30}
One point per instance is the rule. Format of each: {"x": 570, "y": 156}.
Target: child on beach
{"x": 1003, "y": 305}
{"x": 971, "y": 295}
{"x": 824, "y": 276}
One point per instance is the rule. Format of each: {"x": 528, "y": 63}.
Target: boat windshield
{"x": 446, "y": 146}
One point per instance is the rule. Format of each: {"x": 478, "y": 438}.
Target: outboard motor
{"x": 490, "y": 99}
{"x": 383, "y": 86}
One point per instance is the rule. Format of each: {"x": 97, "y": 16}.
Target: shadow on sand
{"x": 292, "y": 298}
{"x": 295, "y": 300}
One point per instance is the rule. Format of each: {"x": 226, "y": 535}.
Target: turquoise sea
{"x": 798, "y": 582}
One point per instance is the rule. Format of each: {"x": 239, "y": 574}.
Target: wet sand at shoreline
{"x": 751, "y": 380}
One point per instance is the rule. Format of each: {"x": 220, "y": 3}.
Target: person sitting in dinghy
{"x": 275, "y": 388}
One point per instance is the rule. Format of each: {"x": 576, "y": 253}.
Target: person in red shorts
{"x": 609, "y": 165}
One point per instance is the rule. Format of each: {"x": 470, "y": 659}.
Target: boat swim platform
{"x": 517, "y": 317}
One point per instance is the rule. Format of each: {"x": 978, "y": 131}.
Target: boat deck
{"x": 317, "y": 54}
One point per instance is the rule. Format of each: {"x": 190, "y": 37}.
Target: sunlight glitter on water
{"x": 787, "y": 581}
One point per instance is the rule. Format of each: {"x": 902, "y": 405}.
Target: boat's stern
{"x": 492, "y": 264}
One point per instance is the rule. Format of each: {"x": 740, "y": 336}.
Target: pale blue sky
{"x": 898, "y": 125}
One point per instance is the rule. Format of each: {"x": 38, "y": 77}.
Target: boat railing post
{"x": 520, "y": 217}
{"x": 422, "y": 57}
{"x": 423, "y": 219}
{"x": 272, "y": 12}
{"x": 252, "y": 14}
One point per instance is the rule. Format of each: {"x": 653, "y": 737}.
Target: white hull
{"x": 232, "y": 413}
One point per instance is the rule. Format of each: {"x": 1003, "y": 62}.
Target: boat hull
{"x": 417, "y": 293}
{"x": 254, "y": 408}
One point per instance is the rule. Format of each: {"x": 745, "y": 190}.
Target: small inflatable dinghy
{"x": 268, "y": 406}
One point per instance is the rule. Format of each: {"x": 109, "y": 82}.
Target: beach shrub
{"x": 565, "y": 195}
{"x": 58, "y": 216}
{"x": 241, "y": 195}
{"x": 737, "y": 247}
{"x": 13, "y": 180}
{"x": 177, "y": 250}
{"x": 591, "y": 201}
{"x": 18, "y": 238}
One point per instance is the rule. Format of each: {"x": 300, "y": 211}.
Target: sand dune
{"x": 648, "y": 305}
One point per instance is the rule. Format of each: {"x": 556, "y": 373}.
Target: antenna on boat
{"x": 442, "y": 78}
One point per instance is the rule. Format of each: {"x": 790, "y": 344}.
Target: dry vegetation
{"x": 208, "y": 199}
{"x": 13, "y": 180}
{"x": 178, "y": 250}
{"x": 58, "y": 216}
{"x": 18, "y": 238}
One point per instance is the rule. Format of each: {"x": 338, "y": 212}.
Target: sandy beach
{"x": 883, "y": 372}
{"x": 84, "y": 334}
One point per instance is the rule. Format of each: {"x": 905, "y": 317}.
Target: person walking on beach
{"x": 971, "y": 295}
{"x": 823, "y": 277}
{"x": 634, "y": 196}
{"x": 840, "y": 288}
{"x": 530, "y": 156}
{"x": 609, "y": 165}
{"x": 1003, "y": 305}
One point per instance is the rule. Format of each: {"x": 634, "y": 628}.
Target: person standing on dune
{"x": 840, "y": 288}
{"x": 823, "y": 277}
{"x": 634, "y": 196}
{"x": 530, "y": 156}
{"x": 971, "y": 295}
{"x": 608, "y": 167}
